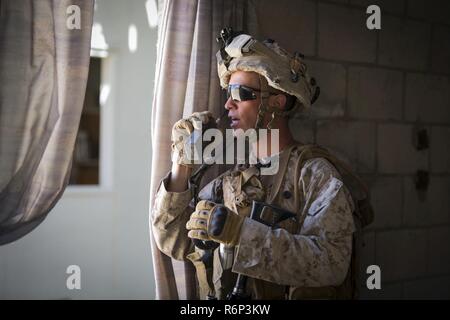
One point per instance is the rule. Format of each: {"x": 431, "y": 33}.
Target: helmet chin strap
{"x": 264, "y": 107}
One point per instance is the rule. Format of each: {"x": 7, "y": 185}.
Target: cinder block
{"x": 302, "y": 130}
{"x": 339, "y": 1}
{"x": 434, "y": 288}
{"x": 430, "y": 208}
{"x": 375, "y": 93}
{"x": 440, "y": 55}
{"x": 386, "y": 198}
{"x": 297, "y": 32}
{"x": 332, "y": 82}
{"x": 439, "y": 251}
{"x": 397, "y": 6}
{"x": 354, "y": 141}
{"x": 436, "y": 11}
{"x": 343, "y": 34}
{"x": 427, "y": 98}
{"x": 388, "y": 291}
{"x": 401, "y": 254}
{"x": 366, "y": 247}
{"x": 404, "y": 43}
{"x": 396, "y": 151}
{"x": 440, "y": 149}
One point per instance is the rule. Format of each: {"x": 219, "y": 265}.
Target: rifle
{"x": 279, "y": 215}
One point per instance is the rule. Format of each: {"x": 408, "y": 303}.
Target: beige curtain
{"x": 186, "y": 81}
{"x": 43, "y": 74}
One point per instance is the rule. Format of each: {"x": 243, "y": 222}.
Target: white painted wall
{"x": 103, "y": 230}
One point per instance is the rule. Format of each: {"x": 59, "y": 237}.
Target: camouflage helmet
{"x": 283, "y": 71}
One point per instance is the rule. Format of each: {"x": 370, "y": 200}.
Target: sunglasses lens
{"x": 246, "y": 94}
{"x": 235, "y": 93}
{"x": 240, "y": 93}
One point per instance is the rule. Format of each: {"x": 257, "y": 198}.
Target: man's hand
{"x": 182, "y": 142}
{"x": 211, "y": 221}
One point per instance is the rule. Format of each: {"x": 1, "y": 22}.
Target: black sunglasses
{"x": 239, "y": 92}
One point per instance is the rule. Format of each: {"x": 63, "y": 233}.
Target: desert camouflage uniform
{"x": 308, "y": 257}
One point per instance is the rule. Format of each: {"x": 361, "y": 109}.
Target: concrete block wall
{"x": 378, "y": 89}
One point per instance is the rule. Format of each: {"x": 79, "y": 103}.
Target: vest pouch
{"x": 240, "y": 188}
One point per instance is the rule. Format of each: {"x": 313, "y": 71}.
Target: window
{"x": 86, "y": 156}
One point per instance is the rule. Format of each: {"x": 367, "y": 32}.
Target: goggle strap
{"x": 262, "y": 106}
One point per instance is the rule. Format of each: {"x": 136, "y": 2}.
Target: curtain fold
{"x": 43, "y": 73}
{"x": 186, "y": 81}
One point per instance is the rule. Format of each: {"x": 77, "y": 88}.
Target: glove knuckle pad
{"x": 218, "y": 219}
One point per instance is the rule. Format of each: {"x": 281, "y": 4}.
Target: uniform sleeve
{"x": 320, "y": 254}
{"x": 170, "y": 214}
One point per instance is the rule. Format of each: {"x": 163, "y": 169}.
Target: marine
{"x": 307, "y": 254}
